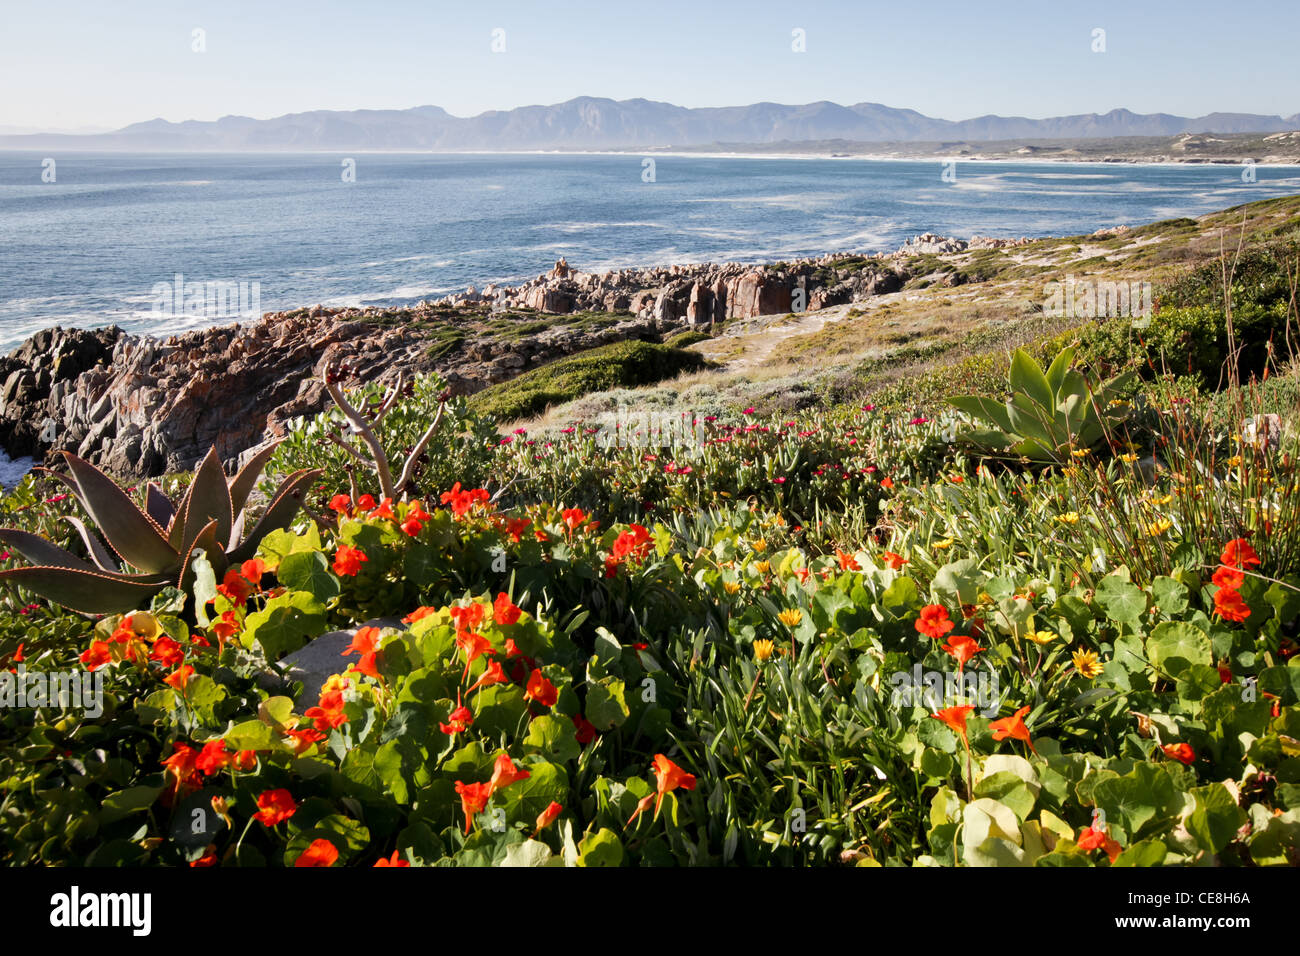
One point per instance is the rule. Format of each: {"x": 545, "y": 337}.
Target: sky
{"x": 87, "y": 64}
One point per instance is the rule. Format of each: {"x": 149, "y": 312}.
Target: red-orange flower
{"x": 847, "y": 561}
{"x": 244, "y": 760}
{"x": 97, "y": 655}
{"x": 893, "y": 560}
{"x": 1183, "y": 753}
{"x": 504, "y": 773}
{"x": 633, "y": 543}
{"x": 493, "y": 674}
{"x": 1229, "y": 605}
{"x": 515, "y": 527}
{"x": 341, "y": 504}
{"x": 303, "y": 738}
{"x": 212, "y": 757}
{"x": 1013, "y": 727}
{"x": 209, "y": 857}
{"x": 347, "y": 561}
{"x": 547, "y": 816}
{"x": 934, "y": 621}
{"x": 541, "y": 690}
{"x": 474, "y": 646}
{"x": 181, "y": 766}
{"x": 1230, "y": 578}
{"x": 385, "y": 510}
{"x": 468, "y": 617}
{"x": 473, "y": 798}
{"x": 573, "y": 517}
{"x": 180, "y": 678}
{"x": 419, "y": 614}
{"x": 1092, "y": 839}
{"x": 458, "y": 721}
{"x": 955, "y": 717}
{"x": 328, "y": 714}
{"x": 1238, "y": 553}
{"x": 365, "y": 642}
{"x": 275, "y": 806}
{"x": 321, "y": 853}
{"x": 394, "y": 860}
{"x": 235, "y": 588}
{"x": 962, "y": 648}
{"x": 504, "y": 612}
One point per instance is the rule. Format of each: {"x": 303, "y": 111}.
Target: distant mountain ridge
{"x": 588, "y": 122}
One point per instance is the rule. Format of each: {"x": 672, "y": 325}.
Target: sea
{"x": 170, "y": 242}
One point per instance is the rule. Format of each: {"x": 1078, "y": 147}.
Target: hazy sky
{"x": 105, "y": 64}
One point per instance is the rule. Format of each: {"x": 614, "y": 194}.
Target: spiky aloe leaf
{"x": 208, "y": 500}
{"x": 40, "y": 550}
{"x": 241, "y": 486}
{"x": 158, "y": 506}
{"x": 90, "y": 592}
{"x": 285, "y": 504}
{"x": 130, "y": 532}
{"x": 101, "y": 555}
{"x": 1056, "y": 371}
{"x": 1027, "y": 377}
{"x": 987, "y": 409}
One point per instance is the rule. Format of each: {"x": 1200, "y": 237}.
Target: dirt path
{"x": 750, "y": 345}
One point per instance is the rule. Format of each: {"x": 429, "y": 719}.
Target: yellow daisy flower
{"x": 763, "y": 650}
{"x": 1087, "y": 663}
{"x": 791, "y": 617}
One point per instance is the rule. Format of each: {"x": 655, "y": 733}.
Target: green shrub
{"x": 682, "y": 339}
{"x": 622, "y": 364}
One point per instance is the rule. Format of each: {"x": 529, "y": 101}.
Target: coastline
{"x": 679, "y": 153}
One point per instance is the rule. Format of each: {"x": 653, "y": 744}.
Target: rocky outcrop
{"x": 141, "y": 406}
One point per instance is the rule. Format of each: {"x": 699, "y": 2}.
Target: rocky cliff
{"x": 142, "y": 406}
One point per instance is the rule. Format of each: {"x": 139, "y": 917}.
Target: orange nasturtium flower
{"x": 458, "y": 721}
{"x": 1230, "y": 578}
{"x": 493, "y": 674}
{"x": 1229, "y": 605}
{"x": 668, "y": 777}
{"x": 394, "y": 860}
{"x": 275, "y": 806}
{"x": 1013, "y": 727}
{"x": 419, "y": 614}
{"x": 504, "y": 612}
{"x": 321, "y": 853}
{"x": 955, "y": 717}
{"x": 473, "y": 799}
{"x": 180, "y": 677}
{"x": 934, "y": 621}
{"x": 1183, "y": 753}
{"x": 962, "y": 648}
{"x": 541, "y": 690}
{"x": 1092, "y": 839}
{"x": 474, "y": 646}
{"x": 1238, "y": 553}
{"x": 504, "y": 773}
{"x": 347, "y": 561}
{"x": 848, "y": 562}
{"x": 328, "y": 714}
{"x": 547, "y": 816}
{"x": 894, "y": 561}
{"x": 573, "y": 517}
{"x": 365, "y": 642}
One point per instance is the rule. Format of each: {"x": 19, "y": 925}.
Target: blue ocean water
{"x": 89, "y": 248}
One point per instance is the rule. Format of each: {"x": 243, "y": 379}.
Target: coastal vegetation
{"x": 1020, "y": 591}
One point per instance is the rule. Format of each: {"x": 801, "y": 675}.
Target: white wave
{"x": 12, "y": 470}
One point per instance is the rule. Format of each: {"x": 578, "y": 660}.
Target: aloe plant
{"x": 148, "y": 550}
{"x": 1049, "y": 413}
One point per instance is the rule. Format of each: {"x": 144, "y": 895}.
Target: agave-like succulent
{"x": 148, "y": 550}
{"x": 1049, "y": 414}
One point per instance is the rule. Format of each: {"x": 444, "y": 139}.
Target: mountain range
{"x": 596, "y": 123}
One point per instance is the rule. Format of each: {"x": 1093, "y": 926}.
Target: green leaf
{"x": 285, "y": 624}
{"x": 552, "y": 737}
{"x": 1124, "y": 602}
{"x": 601, "y": 848}
{"x": 528, "y": 853}
{"x": 1027, "y": 376}
{"x": 309, "y": 571}
{"x": 1217, "y": 818}
{"x": 607, "y": 704}
{"x": 1173, "y": 646}
{"x": 123, "y": 803}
